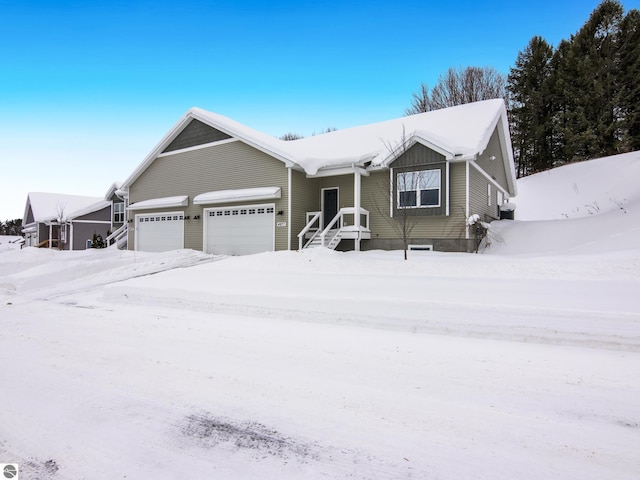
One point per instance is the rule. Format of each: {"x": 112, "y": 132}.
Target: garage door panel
{"x": 160, "y": 232}
{"x": 240, "y": 230}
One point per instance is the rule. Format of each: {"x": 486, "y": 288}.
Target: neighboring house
{"x": 118, "y": 230}
{"x": 215, "y": 185}
{"x": 62, "y": 221}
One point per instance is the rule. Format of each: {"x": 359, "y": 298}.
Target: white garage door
{"x": 239, "y": 230}
{"x": 159, "y": 232}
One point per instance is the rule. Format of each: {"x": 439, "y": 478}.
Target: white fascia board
{"x": 500, "y": 122}
{"x": 244, "y": 138}
{"x": 179, "y": 126}
{"x": 102, "y": 222}
{"x": 165, "y": 202}
{"x": 90, "y": 209}
{"x": 197, "y": 147}
{"x": 391, "y": 156}
{"x": 166, "y": 140}
{"x": 487, "y": 176}
{"x": 334, "y": 172}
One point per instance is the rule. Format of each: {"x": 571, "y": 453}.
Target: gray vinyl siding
{"x": 29, "y": 216}
{"x": 43, "y": 232}
{"x": 376, "y": 199}
{"x": 416, "y": 156}
{"x": 103, "y": 215}
{"x": 81, "y": 231}
{"x": 478, "y": 202}
{"x": 226, "y": 166}
{"x": 420, "y": 157}
{"x": 494, "y": 168}
{"x": 84, "y": 231}
{"x": 305, "y": 197}
{"x": 196, "y": 133}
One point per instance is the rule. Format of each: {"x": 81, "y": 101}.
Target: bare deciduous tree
{"x": 287, "y": 137}
{"x": 421, "y": 101}
{"x": 457, "y": 87}
{"x": 401, "y": 220}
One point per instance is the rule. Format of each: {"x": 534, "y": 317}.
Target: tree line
{"x": 575, "y": 102}
{"x": 11, "y": 227}
{"x": 580, "y": 100}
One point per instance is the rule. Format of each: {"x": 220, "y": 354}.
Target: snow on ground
{"x": 10, "y": 242}
{"x": 582, "y": 208}
{"x": 512, "y": 364}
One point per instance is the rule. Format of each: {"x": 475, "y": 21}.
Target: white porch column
{"x": 356, "y": 205}
{"x": 50, "y": 235}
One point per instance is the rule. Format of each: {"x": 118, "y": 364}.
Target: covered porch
{"x": 333, "y": 223}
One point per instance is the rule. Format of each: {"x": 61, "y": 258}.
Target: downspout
{"x": 289, "y": 180}
{"x": 357, "y": 186}
{"x": 467, "y": 214}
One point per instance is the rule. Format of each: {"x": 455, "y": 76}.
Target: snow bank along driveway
{"x": 320, "y": 365}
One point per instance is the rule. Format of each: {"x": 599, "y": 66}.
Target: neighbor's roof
{"x": 50, "y": 206}
{"x": 459, "y": 132}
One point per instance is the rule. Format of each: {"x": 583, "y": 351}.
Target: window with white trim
{"x": 489, "y": 194}
{"x": 420, "y": 189}
{"x": 500, "y": 198}
{"x": 118, "y": 212}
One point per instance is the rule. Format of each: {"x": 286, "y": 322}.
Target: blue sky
{"x": 87, "y": 89}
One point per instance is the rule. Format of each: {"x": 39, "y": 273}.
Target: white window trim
{"x": 417, "y": 190}
{"x": 115, "y": 212}
{"x": 488, "y": 194}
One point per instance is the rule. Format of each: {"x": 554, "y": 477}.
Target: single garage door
{"x": 239, "y": 230}
{"x": 159, "y": 232}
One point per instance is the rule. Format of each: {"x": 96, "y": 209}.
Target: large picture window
{"x": 419, "y": 189}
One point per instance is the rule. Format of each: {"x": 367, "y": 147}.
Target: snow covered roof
{"x": 459, "y": 133}
{"x": 51, "y": 206}
{"x": 240, "y": 195}
{"x": 164, "y": 202}
{"x": 90, "y": 209}
{"x": 113, "y": 189}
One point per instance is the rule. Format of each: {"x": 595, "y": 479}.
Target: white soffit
{"x": 165, "y": 202}
{"x": 240, "y": 195}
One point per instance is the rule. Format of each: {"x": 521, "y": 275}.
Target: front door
{"x": 329, "y": 205}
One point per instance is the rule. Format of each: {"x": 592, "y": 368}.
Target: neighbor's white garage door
{"x": 159, "y": 232}
{"x": 239, "y": 230}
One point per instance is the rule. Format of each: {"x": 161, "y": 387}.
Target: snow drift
{"x": 323, "y": 364}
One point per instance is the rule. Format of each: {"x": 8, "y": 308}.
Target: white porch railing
{"x": 118, "y": 236}
{"x": 336, "y": 229}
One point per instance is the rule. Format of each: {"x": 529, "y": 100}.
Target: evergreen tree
{"x": 629, "y": 81}
{"x": 97, "y": 241}
{"x": 586, "y": 77}
{"x": 531, "y": 108}
{"x": 11, "y": 227}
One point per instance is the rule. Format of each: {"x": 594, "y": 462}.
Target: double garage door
{"x": 239, "y": 230}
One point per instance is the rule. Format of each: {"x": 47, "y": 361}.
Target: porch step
{"x": 333, "y": 238}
